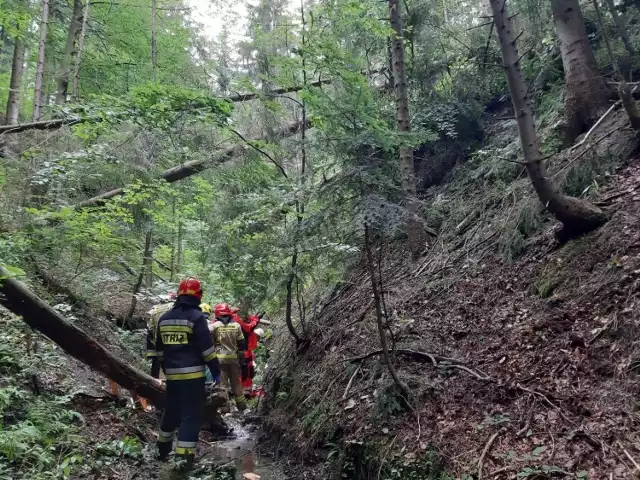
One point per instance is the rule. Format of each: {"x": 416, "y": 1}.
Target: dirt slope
{"x": 553, "y": 327}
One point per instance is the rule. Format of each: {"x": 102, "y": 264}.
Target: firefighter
{"x": 230, "y": 349}
{"x": 185, "y": 350}
{"x": 152, "y": 326}
{"x": 249, "y": 327}
{"x": 206, "y": 309}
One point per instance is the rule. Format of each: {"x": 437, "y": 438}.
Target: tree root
{"x": 486, "y": 450}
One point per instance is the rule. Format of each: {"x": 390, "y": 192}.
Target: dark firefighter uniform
{"x": 183, "y": 348}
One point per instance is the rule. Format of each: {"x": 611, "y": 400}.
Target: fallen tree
{"x": 36, "y": 313}
{"x": 188, "y": 169}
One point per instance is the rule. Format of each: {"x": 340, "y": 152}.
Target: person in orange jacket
{"x": 249, "y": 328}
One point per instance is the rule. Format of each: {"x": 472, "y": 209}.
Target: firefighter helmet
{"x": 190, "y": 286}
{"x": 259, "y": 332}
{"x": 206, "y": 308}
{"x": 222, "y": 309}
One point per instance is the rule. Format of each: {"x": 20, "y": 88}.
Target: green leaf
{"x": 538, "y": 450}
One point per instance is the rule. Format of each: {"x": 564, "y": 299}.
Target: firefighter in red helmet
{"x": 230, "y": 346}
{"x": 184, "y": 349}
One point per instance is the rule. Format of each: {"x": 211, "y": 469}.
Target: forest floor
{"x": 535, "y": 352}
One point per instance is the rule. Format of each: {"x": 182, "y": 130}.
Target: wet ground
{"x": 242, "y": 452}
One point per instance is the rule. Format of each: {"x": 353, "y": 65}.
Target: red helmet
{"x": 190, "y": 286}
{"x": 222, "y": 309}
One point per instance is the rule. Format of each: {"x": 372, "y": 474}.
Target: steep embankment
{"x": 547, "y": 334}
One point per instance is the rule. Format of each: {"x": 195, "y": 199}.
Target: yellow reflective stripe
{"x": 227, "y": 355}
{"x": 185, "y": 451}
{"x": 175, "y": 328}
{"x": 210, "y": 357}
{"x": 152, "y": 353}
{"x": 184, "y": 376}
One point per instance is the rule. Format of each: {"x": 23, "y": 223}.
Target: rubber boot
{"x": 164, "y": 449}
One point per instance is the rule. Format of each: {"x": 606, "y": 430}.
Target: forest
{"x": 432, "y": 202}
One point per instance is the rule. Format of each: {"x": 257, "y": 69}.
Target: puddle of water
{"x": 241, "y": 450}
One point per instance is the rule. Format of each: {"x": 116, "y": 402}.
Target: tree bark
{"x": 80, "y": 50}
{"x": 621, "y": 27}
{"x": 17, "y": 66}
{"x": 70, "y": 52}
{"x": 37, "y": 92}
{"x": 415, "y": 231}
{"x": 141, "y": 276}
{"x": 378, "y": 304}
{"x": 576, "y": 215}
{"x": 586, "y": 93}
{"x": 154, "y": 53}
{"x": 40, "y": 316}
{"x": 288, "y": 306}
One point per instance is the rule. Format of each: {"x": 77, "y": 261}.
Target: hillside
{"x": 530, "y": 354}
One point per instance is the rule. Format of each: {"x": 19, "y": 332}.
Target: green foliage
{"x": 427, "y": 466}
{"x": 390, "y": 402}
{"x": 125, "y": 447}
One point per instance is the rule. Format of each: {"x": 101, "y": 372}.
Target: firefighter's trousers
{"x": 184, "y": 410}
{"x": 230, "y": 378}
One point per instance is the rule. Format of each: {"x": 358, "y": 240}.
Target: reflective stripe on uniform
{"x": 182, "y": 443}
{"x": 170, "y": 321}
{"x": 165, "y": 436}
{"x": 184, "y": 376}
{"x": 185, "y": 451}
{"x": 227, "y": 355}
{"x": 209, "y": 354}
{"x": 196, "y": 368}
{"x": 152, "y": 353}
{"x": 175, "y": 328}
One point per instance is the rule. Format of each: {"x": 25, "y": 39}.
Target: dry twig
{"x": 486, "y": 450}
{"x": 346, "y": 390}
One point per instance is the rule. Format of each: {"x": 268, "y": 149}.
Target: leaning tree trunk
{"x": 585, "y": 94}
{"x": 17, "y": 65}
{"x": 70, "y": 52}
{"x": 576, "y": 215}
{"x": 621, "y": 27}
{"x": 40, "y": 316}
{"x": 624, "y": 92}
{"x": 37, "y": 92}
{"x": 79, "y": 51}
{"x": 415, "y": 230}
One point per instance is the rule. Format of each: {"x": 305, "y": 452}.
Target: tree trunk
{"x": 415, "y": 230}
{"x": 621, "y": 27}
{"x": 288, "y": 306}
{"x": 154, "y": 53}
{"x": 80, "y": 50}
{"x": 179, "y": 259}
{"x": 70, "y": 52}
{"x": 37, "y": 92}
{"x": 576, "y": 215}
{"x": 378, "y": 304}
{"x": 624, "y": 92}
{"x": 586, "y": 94}
{"x": 148, "y": 261}
{"x": 40, "y": 316}
{"x": 141, "y": 276}
{"x": 17, "y": 65}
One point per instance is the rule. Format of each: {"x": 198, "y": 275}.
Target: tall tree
{"x": 17, "y": 66}
{"x": 154, "y": 33}
{"x": 621, "y": 27}
{"x": 415, "y": 230}
{"x": 80, "y": 50}
{"x": 576, "y": 215}
{"x": 37, "y": 92}
{"x": 586, "y": 94}
{"x": 70, "y": 52}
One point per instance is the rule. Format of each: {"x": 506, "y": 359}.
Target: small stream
{"x": 242, "y": 451}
